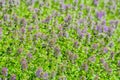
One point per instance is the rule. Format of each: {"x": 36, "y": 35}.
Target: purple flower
{"x": 24, "y": 64}
{"x": 100, "y": 14}
{"x": 112, "y": 55}
{"x": 23, "y": 22}
{"x": 62, "y": 78}
{"x": 67, "y": 18}
{"x": 102, "y": 60}
{"x": 29, "y": 55}
{"x": 98, "y": 28}
{"x": 85, "y": 66}
{"x": 57, "y": 51}
{"x": 0, "y": 31}
{"x": 92, "y": 59}
{"x": 96, "y": 2}
{"x": 23, "y": 30}
{"x": 76, "y": 44}
{"x": 38, "y": 72}
{"x": 20, "y": 50}
{"x": 45, "y": 75}
{"x": 105, "y": 49}
{"x": 13, "y": 77}
{"x": 4, "y": 71}
{"x": 106, "y": 29}
{"x": 94, "y": 46}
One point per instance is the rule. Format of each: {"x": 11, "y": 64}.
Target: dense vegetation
{"x": 59, "y": 40}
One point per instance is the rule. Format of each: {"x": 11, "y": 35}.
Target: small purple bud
{"x": 57, "y": 51}
{"x": 67, "y": 18}
{"x": 81, "y": 6}
{"x": 94, "y": 46}
{"x": 45, "y": 76}
{"x": 23, "y": 30}
{"x": 102, "y": 60}
{"x": 0, "y": 31}
{"x": 38, "y": 72}
{"x": 20, "y": 50}
{"x": 105, "y": 29}
{"x": 30, "y": 28}
{"x": 105, "y": 49}
{"x": 24, "y": 64}
{"x": 47, "y": 20}
{"x": 6, "y": 17}
{"x": 76, "y": 44}
{"x": 13, "y": 77}
{"x": 92, "y": 59}
{"x": 111, "y": 44}
{"x": 100, "y": 14}
{"x": 4, "y": 71}
{"x": 98, "y": 28}
{"x": 85, "y": 66}
{"x": 29, "y": 55}
{"x": 96, "y": 2}
{"x": 23, "y": 22}
{"x": 112, "y": 55}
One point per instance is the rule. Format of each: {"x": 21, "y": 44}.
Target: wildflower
{"x": 0, "y": 31}
{"x": 105, "y": 29}
{"x": 81, "y": 6}
{"x": 13, "y": 77}
{"x": 29, "y": 55}
{"x": 23, "y": 30}
{"x": 4, "y": 71}
{"x": 96, "y": 2}
{"x": 92, "y": 58}
{"x": 76, "y": 44}
{"x": 102, "y": 60}
{"x": 67, "y": 18}
{"x": 94, "y": 46}
{"x": 98, "y": 28}
{"x": 45, "y": 75}
{"x": 62, "y": 78}
{"x": 20, "y": 50}
{"x": 111, "y": 44}
{"x": 23, "y": 22}
{"x": 85, "y": 66}
{"x": 24, "y": 64}
{"x": 110, "y": 31}
{"x": 100, "y": 14}
{"x": 30, "y": 28}
{"x": 2, "y": 3}
{"x": 38, "y": 72}
{"x": 6, "y": 17}
{"x": 57, "y": 51}
{"x": 105, "y": 49}
{"x": 34, "y": 16}
{"x": 112, "y": 55}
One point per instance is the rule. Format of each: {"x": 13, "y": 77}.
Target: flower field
{"x": 59, "y": 39}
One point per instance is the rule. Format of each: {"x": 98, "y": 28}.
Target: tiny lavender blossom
{"x": 38, "y": 72}
{"x": 13, "y": 77}
{"x": 24, "y": 64}
{"x": 100, "y": 14}
{"x": 4, "y": 71}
